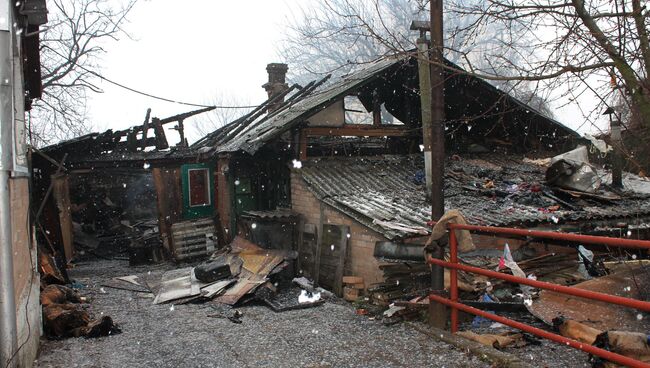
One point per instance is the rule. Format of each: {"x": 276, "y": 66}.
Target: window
{"x": 199, "y": 186}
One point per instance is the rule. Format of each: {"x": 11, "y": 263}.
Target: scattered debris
{"x": 631, "y": 344}
{"x": 64, "y": 315}
{"x": 353, "y": 287}
{"x": 497, "y": 341}
{"x": 572, "y": 171}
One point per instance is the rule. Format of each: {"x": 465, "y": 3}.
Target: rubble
{"x": 631, "y": 344}
{"x": 64, "y": 315}
{"x": 497, "y": 341}
{"x": 237, "y": 274}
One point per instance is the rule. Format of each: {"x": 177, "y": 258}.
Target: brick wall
{"x": 360, "y": 260}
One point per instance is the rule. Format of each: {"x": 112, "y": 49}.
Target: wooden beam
{"x": 145, "y": 129}
{"x": 376, "y": 108}
{"x": 159, "y": 133}
{"x": 358, "y": 130}
{"x": 302, "y": 144}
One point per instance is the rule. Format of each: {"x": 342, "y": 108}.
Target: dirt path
{"x": 330, "y": 335}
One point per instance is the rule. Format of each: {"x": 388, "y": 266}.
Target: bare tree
{"x": 597, "y": 46}
{"x": 336, "y": 35}
{"x": 71, "y": 50}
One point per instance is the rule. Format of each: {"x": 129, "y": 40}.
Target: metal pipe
{"x": 586, "y": 239}
{"x": 453, "y": 278}
{"x": 587, "y": 294}
{"x": 7, "y": 293}
{"x": 613, "y": 357}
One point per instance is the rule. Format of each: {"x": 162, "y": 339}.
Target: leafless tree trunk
{"x": 71, "y": 50}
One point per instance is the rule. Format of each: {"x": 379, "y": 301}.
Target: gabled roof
{"x": 387, "y": 193}
{"x": 252, "y": 131}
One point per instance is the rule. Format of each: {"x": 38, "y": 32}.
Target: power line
{"x": 149, "y": 94}
{"x": 161, "y": 98}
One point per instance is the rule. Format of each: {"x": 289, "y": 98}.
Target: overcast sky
{"x": 199, "y": 51}
{"x": 193, "y": 51}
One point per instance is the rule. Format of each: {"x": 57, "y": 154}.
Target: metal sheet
{"x": 177, "y": 284}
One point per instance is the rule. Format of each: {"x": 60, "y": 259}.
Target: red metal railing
{"x": 455, "y": 306}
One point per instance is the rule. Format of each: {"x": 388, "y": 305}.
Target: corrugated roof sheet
{"x": 386, "y": 193}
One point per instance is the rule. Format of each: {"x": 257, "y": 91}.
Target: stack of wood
{"x": 353, "y": 288}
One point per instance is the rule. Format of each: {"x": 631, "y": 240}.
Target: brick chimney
{"x": 276, "y": 84}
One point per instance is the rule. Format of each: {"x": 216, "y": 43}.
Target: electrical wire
{"x": 160, "y": 98}
{"x": 149, "y": 94}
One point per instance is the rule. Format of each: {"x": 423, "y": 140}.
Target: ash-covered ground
{"x": 330, "y": 335}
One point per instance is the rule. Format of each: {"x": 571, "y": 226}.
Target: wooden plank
{"x": 145, "y": 129}
{"x": 303, "y": 137}
{"x": 61, "y": 194}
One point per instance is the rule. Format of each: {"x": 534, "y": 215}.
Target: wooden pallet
{"x": 193, "y": 238}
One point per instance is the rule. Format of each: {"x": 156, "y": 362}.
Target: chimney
{"x": 276, "y": 84}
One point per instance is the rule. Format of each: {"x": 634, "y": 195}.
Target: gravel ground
{"x": 330, "y": 335}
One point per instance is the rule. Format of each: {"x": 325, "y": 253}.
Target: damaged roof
{"x": 308, "y": 100}
{"x": 387, "y": 193}
{"x": 135, "y": 144}
{"x": 400, "y": 83}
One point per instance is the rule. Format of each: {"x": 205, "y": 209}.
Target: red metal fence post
{"x": 453, "y": 278}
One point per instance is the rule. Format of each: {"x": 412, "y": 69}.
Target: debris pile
{"x": 234, "y": 275}
{"x": 139, "y": 242}
{"x": 65, "y": 315}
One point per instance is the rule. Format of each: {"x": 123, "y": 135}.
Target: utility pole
{"x": 434, "y": 148}
{"x": 8, "y": 338}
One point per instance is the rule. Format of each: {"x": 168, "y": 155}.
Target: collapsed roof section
{"x": 132, "y": 144}
{"x": 472, "y": 104}
{"x": 387, "y": 193}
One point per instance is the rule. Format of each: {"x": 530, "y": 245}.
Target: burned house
{"x": 102, "y": 186}
{"x": 341, "y": 160}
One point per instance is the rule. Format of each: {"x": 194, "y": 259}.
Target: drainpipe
{"x": 7, "y": 294}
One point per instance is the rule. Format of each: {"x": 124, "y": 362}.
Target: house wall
{"x": 361, "y": 246}
{"x": 26, "y": 277}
